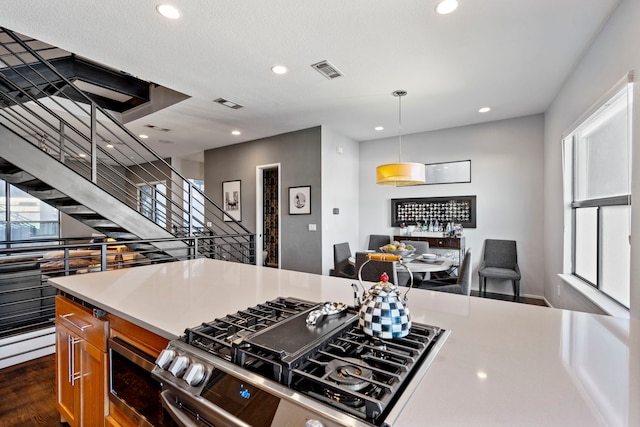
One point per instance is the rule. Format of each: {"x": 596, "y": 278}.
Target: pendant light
{"x": 401, "y": 173}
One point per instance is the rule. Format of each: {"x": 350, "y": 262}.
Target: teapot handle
{"x": 410, "y": 276}
{"x": 382, "y": 257}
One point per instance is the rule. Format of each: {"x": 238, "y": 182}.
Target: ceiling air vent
{"x": 327, "y": 70}
{"x": 228, "y": 103}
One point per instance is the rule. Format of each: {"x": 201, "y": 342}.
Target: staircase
{"x": 60, "y": 145}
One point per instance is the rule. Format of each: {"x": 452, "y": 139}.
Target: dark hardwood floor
{"x": 27, "y": 390}
{"x": 504, "y": 297}
{"x": 28, "y": 394}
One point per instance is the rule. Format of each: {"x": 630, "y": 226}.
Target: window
{"x": 152, "y": 202}
{"x": 24, "y": 217}
{"x": 195, "y": 221}
{"x": 599, "y": 151}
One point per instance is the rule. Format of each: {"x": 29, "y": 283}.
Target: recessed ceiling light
{"x": 168, "y": 11}
{"x": 82, "y": 155}
{"x": 379, "y": 128}
{"x": 279, "y": 69}
{"x": 143, "y": 136}
{"x": 446, "y": 6}
{"x": 109, "y": 145}
{"x": 235, "y": 132}
{"x": 484, "y": 110}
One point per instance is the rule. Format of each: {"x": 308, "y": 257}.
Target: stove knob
{"x": 179, "y": 365}
{"x": 165, "y": 358}
{"x": 313, "y": 423}
{"x": 195, "y": 374}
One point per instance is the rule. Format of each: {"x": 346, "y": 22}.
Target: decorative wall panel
{"x": 456, "y": 209}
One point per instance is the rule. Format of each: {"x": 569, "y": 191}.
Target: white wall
{"x": 614, "y": 52}
{"x": 339, "y": 190}
{"x": 506, "y": 176}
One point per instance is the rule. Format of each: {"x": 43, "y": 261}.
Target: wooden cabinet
{"x": 81, "y": 364}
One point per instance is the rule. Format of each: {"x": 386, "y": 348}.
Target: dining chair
{"x": 455, "y": 285}
{"x": 373, "y": 270}
{"x": 500, "y": 261}
{"x": 376, "y": 241}
{"x": 341, "y": 265}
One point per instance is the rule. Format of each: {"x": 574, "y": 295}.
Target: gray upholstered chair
{"x": 421, "y": 247}
{"x": 373, "y": 270}
{"x": 500, "y": 261}
{"x": 341, "y": 265}
{"x": 456, "y": 285}
{"x": 376, "y": 241}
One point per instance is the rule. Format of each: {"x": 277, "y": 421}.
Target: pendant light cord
{"x": 400, "y": 129}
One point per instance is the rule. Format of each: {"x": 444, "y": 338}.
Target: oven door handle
{"x": 131, "y": 353}
{"x": 177, "y": 412}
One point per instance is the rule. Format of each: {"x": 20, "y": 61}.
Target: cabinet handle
{"x": 69, "y": 351}
{"x": 66, "y": 317}
{"x": 73, "y": 375}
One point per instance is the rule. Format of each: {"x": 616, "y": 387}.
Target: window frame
{"x": 570, "y": 142}
{"x": 8, "y": 222}
{"x": 155, "y": 213}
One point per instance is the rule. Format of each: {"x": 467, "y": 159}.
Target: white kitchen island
{"x": 504, "y": 364}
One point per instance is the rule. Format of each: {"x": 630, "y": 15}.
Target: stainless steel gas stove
{"x": 266, "y": 366}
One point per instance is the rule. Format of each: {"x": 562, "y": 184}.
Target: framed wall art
{"x": 448, "y": 173}
{"x": 456, "y": 209}
{"x": 231, "y": 201}
{"x": 300, "y": 200}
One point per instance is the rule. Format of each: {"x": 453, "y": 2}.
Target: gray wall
{"x": 506, "y": 176}
{"x": 611, "y": 55}
{"x": 299, "y": 155}
{"x": 340, "y": 166}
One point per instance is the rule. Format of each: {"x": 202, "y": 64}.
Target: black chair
{"x": 455, "y": 285}
{"x": 341, "y": 265}
{"x": 376, "y": 241}
{"x": 500, "y": 261}
{"x": 373, "y": 270}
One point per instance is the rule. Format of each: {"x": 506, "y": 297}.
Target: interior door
{"x": 268, "y": 215}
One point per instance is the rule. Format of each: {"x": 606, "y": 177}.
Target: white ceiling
{"x": 511, "y": 55}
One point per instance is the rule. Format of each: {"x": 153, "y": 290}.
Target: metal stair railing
{"x": 35, "y": 104}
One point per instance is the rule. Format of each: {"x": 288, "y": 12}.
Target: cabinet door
{"x": 94, "y": 385}
{"x": 67, "y": 382}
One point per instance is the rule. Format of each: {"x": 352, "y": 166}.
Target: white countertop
{"x": 504, "y": 364}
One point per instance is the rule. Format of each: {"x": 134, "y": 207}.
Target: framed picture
{"x": 231, "y": 201}
{"x": 300, "y": 200}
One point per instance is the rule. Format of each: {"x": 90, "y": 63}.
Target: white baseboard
{"x": 24, "y": 347}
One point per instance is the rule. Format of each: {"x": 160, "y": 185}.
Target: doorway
{"x": 268, "y": 215}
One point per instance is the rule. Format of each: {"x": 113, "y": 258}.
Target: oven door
{"x": 132, "y": 389}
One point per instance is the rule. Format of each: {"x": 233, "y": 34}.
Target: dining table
{"x": 417, "y": 263}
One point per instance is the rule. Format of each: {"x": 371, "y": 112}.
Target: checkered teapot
{"x": 383, "y": 313}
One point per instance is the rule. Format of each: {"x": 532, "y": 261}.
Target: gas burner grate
{"x": 218, "y": 336}
{"x": 380, "y": 368}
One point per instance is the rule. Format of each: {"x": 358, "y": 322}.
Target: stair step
{"x": 122, "y": 235}
{"x": 49, "y": 195}
{"x": 8, "y": 168}
{"x": 16, "y": 177}
{"x": 101, "y": 223}
{"x": 76, "y": 210}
